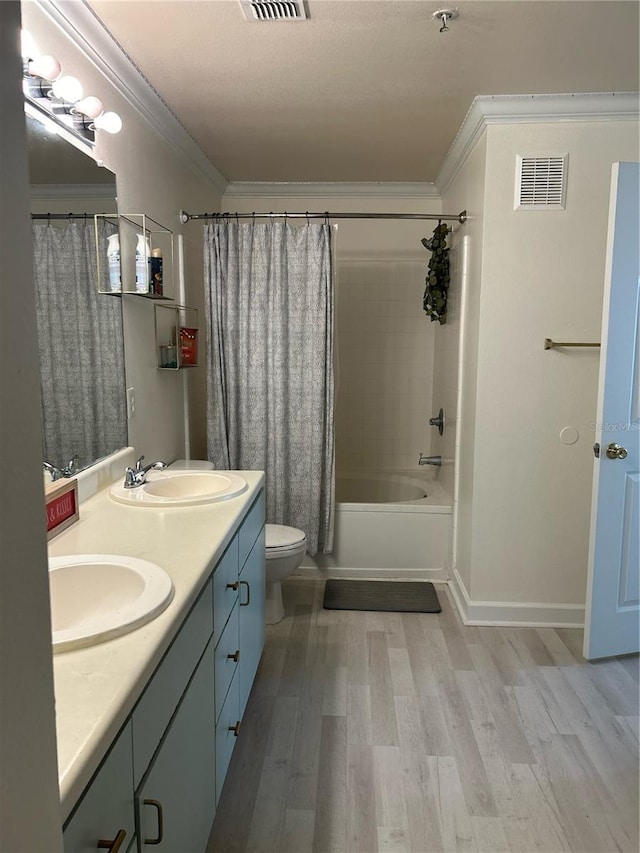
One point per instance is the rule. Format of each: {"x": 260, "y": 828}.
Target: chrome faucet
{"x": 429, "y": 460}
{"x": 69, "y": 469}
{"x": 134, "y": 477}
{"x": 56, "y": 473}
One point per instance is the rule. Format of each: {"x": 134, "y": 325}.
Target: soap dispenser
{"x": 113, "y": 263}
{"x": 143, "y": 253}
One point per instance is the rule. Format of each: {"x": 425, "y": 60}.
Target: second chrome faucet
{"x": 134, "y": 477}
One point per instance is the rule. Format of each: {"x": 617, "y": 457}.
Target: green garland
{"x": 437, "y": 280}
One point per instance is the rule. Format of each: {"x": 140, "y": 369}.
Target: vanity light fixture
{"x": 61, "y": 96}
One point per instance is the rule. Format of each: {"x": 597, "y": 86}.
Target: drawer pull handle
{"x": 116, "y": 844}
{"x": 235, "y": 656}
{"x": 158, "y": 806}
{"x": 246, "y": 603}
{"x": 233, "y": 586}
{"x": 235, "y": 729}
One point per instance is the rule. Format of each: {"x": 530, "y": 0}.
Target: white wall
{"x": 526, "y": 536}
{"x": 543, "y": 276}
{"x": 29, "y": 803}
{"x": 152, "y": 178}
{"x": 384, "y": 339}
{"x": 455, "y": 376}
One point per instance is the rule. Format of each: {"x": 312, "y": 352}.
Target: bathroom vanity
{"x": 147, "y": 722}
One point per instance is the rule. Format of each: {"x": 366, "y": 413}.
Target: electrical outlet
{"x": 131, "y": 403}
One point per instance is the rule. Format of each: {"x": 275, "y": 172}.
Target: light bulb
{"x": 111, "y": 122}
{"x": 46, "y": 67}
{"x": 90, "y": 106}
{"x": 29, "y": 48}
{"x": 67, "y": 89}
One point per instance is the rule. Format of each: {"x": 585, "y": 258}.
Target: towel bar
{"x": 549, "y": 344}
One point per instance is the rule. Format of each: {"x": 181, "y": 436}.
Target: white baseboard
{"x": 513, "y": 614}
{"x": 314, "y": 572}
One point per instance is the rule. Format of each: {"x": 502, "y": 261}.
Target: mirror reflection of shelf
{"x": 176, "y": 336}
{"x": 139, "y": 259}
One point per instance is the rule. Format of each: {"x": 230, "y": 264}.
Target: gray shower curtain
{"x": 81, "y": 346}
{"x": 269, "y": 313}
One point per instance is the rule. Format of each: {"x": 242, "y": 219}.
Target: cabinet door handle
{"x": 116, "y": 844}
{"x": 158, "y": 806}
{"x": 235, "y": 729}
{"x": 233, "y": 586}
{"x": 235, "y": 656}
{"x": 246, "y": 603}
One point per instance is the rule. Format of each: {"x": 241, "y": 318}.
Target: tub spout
{"x": 429, "y": 460}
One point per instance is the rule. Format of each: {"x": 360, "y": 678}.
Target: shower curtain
{"x": 81, "y": 346}
{"x": 269, "y": 313}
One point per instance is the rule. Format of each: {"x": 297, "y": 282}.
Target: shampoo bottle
{"x": 113, "y": 263}
{"x": 155, "y": 284}
{"x": 143, "y": 253}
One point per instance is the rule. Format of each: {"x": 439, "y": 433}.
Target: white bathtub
{"x": 385, "y": 526}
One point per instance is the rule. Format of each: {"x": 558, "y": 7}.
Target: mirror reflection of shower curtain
{"x": 269, "y": 313}
{"x": 81, "y": 345}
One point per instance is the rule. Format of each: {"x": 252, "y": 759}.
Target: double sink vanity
{"x": 158, "y": 629}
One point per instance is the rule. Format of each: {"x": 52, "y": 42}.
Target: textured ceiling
{"x": 363, "y": 91}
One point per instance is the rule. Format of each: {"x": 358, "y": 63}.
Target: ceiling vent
{"x": 273, "y": 10}
{"x": 541, "y": 182}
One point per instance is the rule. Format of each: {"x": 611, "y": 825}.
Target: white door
{"x": 612, "y": 623}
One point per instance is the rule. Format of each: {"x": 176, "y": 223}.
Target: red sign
{"x": 60, "y": 509}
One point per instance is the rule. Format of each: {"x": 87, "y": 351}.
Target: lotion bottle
{"x": 143, "y": 253}
{"x": 113, "y": 263}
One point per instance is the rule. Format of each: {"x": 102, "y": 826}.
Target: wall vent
{"x": 273, "y": 10}
{"x": 541, "y": 182}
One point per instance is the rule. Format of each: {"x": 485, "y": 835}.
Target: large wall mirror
{"x": 80, "y": 333}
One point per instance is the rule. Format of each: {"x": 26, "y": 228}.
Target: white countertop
{"x": 97, "y": 687}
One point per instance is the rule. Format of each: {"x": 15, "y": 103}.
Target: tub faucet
{"x": 429, "y": 460}
{"x": 134, "y": 477}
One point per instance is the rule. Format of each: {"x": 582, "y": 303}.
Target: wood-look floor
{"x": 409, "y": 732}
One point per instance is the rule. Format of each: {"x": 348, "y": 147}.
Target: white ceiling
{"x": 362, "y": 91}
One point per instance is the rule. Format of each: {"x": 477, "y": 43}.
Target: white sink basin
{"x": 181, "y": 488}
{"x": 96, "y": 597}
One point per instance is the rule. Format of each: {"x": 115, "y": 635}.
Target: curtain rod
{"x": 62, "y": 215}
{"x": 187, "y": 217}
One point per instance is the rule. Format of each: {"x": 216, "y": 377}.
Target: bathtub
{"x": 390, "y": 524}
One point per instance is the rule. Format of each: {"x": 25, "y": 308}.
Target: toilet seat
{"x": 281, "y": 540}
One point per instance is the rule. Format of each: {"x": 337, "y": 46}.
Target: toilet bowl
{"x": 285, "y": 548}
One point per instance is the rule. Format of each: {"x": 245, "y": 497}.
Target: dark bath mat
{"x": 395, "y": 596}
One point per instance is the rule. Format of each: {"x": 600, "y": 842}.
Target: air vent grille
{"x": 273, "y": 10}
{"x": 541, "y": 182}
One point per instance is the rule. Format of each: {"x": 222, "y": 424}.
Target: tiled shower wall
{"x": 385, "y": 351}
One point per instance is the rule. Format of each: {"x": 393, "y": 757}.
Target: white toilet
{"x": 285, "y": 548}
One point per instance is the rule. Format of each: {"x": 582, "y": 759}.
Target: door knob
{"x": 615, "y": 451}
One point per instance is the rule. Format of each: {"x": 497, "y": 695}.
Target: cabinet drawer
{"x": 107, "y": 806}
{"x": 225, "y": 733}
{"x": 225, "y": 665}
{"x": 225, "y": 589}
{"x": 251, "y": 527}
{"x": 251, "y": 617}
{"x": 159, "y": 701}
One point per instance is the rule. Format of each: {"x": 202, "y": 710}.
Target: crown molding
{"x": 268, "y": 189}
{"x": 78, "y": 21}
{"x": 527, "y": 109}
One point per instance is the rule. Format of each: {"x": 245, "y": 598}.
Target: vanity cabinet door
{"x": 176, "y": 800}
{"x": 106, "y": 808}
{"x": 251, "y": 612}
